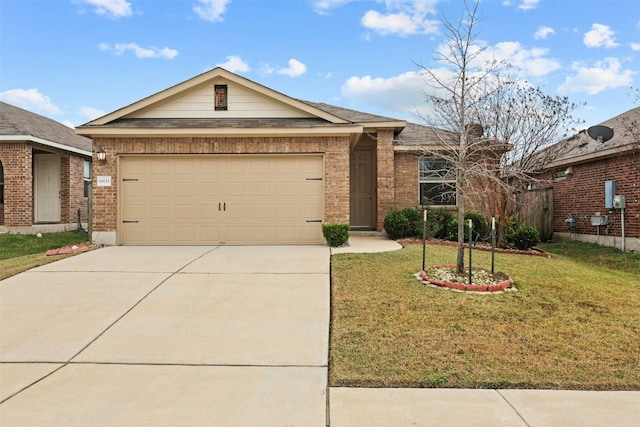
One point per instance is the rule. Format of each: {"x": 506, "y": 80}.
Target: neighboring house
{"x": 578, "y": 179}
{"x": 221, "y": 159}
{"x": 44, "y": 173}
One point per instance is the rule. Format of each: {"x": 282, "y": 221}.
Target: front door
{"x": 47, "y": 188}
{"x": 362, "y": 193}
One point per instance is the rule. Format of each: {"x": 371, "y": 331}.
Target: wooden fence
{"x": 535, "y": 208}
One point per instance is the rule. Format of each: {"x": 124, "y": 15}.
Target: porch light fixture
{"x": 101, "y": 155}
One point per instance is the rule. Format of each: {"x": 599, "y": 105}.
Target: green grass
{"x": 574, "y": 322}
{"x": 20, "y": 252}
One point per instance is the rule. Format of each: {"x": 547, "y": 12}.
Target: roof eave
{"x": 595, "y": 155}
{"x": 104, "y": 131}
{"x": 45, "y": 142}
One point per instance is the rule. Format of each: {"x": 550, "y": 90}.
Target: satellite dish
{"x": 600, "y": 133}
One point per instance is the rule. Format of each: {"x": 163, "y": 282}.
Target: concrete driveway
{"x": 224, "y": 335}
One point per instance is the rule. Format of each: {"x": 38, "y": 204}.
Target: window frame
{"x": 86, "y": 177}
{"x": 435, "y": 172}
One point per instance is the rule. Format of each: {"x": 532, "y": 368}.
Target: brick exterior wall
{"x": 406, "y": 180}
{"x": 16, "y": 159}
{"x": 386, "y": 176}
{"x": 582, "y": 193}
{"x": 335, "y": 149}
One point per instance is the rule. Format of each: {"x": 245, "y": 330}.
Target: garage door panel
{"x": 159, "y": 189}
{"x": 185, "y": 211}
{"x": 222, "y": 199}
{"x": 156, "y": 212}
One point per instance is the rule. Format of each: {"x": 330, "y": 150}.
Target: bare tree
{"x": 487, "y": 124}
{"x": 532, "y": 123}
{"x": 456, "y": 92}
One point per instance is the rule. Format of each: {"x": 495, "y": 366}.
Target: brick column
{"x": 64, "y": 190}
{"x": 18, "y": 184}
{"x": 337, "y": 196}
{"x": 385, "y": 179}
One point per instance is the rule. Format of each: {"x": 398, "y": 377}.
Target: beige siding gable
{"x": 199, "y": 103}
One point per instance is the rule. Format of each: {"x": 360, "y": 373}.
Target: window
{"x": 437, "y": 180}
{"x": 87, "y": 178}
{"x": 1, "y": 183}
{"x": 220, "y": 97}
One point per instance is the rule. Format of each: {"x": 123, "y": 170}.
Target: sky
{"x": 76, "y": 60}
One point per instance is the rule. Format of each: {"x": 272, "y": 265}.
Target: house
{"x": 44, "y": 173}
{"x": 586, "y": 177}
{"x": 220, "y": 159}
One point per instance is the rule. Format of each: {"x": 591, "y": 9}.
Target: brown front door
{"x": 362, "y": 189}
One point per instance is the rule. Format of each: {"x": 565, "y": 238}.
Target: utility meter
{"x": 619, "y": 202}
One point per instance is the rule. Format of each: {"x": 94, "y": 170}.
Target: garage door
{"x": 238, "y": 199}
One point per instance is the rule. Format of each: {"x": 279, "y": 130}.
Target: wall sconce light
{"x": 101, "y": 155}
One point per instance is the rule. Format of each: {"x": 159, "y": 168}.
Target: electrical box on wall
{"x": 619, "y": 202}
{"x": 609, "y": 193}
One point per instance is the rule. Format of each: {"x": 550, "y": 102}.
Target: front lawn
{"x": 20, "y": 252}
{"x": 574, "y": 322}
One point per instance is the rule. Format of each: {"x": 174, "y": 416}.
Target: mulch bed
{"x": 477, "y": 246}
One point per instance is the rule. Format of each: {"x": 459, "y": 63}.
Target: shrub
{"x": 480, "y": 227}
{"x": 443, "y": 218}
{"x": 414, "y": 216}
{"x": 396, "y": 224}
{"x": 526, "y": 237}
{"x": 336, "y": 234}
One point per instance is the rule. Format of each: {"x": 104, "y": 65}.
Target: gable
{"x": 199, "y": 103}
{"x": 193, "y": 99}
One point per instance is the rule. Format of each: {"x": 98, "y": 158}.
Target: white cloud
{"x": 111, "y": 8}
{"x": 600, "y": 35}
{"x": 528, "y": 4}
{"x": 322, "y": 7}
{"x": 606, "y": 74}
{"x": 635, "y": 46}
{"x": 68, "y": 124}
{"x": 402, "y": 93}
{"x": 530, "y": 62}
{"x": 30, "y": 99}
{"x": 403, "y": 17}
{"x": 138, "y": 51}
{"x": 543, "y": 32}
{"x": 295, "y": 69}
{"x": 91, "y": 113}
{"x": 235, "y": 64}
{"x": 211, "y": 10}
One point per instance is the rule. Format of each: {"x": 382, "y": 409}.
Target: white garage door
{"x": 240, "y": 199}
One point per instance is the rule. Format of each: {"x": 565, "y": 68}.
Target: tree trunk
{"x": 461, "y": 208}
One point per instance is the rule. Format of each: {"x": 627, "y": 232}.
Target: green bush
{"x": 396, "y": 224}
{"x": 443, "y": 218}
{"x": 480, "y": 224}
{"x": 336, "y": 234}
{"x": 526, "y": 237}
{"x": 414, "y": 216}
{"x": 480, "y": 227}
